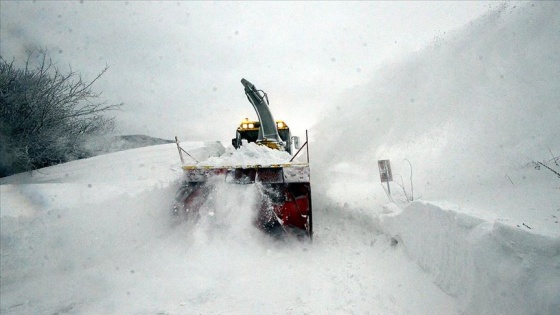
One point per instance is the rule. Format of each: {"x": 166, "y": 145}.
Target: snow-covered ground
{"x": 470, "y": 113}
{"x": 97, "y": 236}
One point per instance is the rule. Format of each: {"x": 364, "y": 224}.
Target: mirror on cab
{"x": 295, "y": 141}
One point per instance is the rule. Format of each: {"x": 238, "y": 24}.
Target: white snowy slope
{"x": 470, "y": 113}
{"x": 96, "y": 236}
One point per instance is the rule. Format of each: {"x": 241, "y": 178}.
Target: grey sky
{"x": 177, "y": 66}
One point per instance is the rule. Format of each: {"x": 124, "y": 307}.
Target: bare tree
{"x": 45, "y": 114}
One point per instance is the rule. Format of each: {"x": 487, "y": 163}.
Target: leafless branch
{"x": 46, "y": 112}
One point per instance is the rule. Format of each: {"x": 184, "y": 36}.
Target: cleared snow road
{"x": 94, "y": 242}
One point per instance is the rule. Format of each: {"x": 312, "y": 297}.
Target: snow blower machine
{"x": 285, "y": 191}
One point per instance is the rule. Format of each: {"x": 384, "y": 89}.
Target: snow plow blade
{"x": 285, "y": 206}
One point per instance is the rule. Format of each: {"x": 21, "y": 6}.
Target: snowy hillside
{"x": 470, "y": 113}
{"x": 119, "y": 143}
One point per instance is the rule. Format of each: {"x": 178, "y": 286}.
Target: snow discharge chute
{"x": 268, "y": 132}
{"x": 284, "y": 206}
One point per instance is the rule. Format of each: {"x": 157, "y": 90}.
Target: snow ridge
{"x": 491, "y": 267}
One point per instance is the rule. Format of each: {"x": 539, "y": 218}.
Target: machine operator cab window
{"x": 248, "y": 130}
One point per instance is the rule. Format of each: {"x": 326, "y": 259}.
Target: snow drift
{"x": 94, "y": 236}
{"x": 470, "y": 112}
{"x": 491, "y": 267}
{"x": 110, "y": 144}
{"x": 475, "y": 105}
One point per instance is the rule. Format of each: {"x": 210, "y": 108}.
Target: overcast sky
{"x": 177, "y": 66}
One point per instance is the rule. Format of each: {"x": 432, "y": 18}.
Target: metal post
{"x": 385, "y": 173}
{"x": 388, "y": 187}
{"x": 307, "y": 148}
{"x": 179, "y": 149}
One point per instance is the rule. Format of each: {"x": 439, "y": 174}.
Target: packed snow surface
{"x": 102, "y": 243}
{"x": 471, "y": 113}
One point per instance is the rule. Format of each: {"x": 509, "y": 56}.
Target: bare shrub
{"x": 46, "y": 114}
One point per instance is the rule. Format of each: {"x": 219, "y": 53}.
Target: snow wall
{"x": 491, "y": 267}
{"x": 468, "y": 112}
{"x": 471, "y": 106}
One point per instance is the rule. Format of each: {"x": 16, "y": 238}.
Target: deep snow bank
{"x": 104, "y": 145}
{"x": 491, "y": 267}
{"x": 156, "y": 164}
{"x": 469, "y": 112}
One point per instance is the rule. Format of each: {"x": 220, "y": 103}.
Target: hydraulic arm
{"x": 268, "y": 132}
